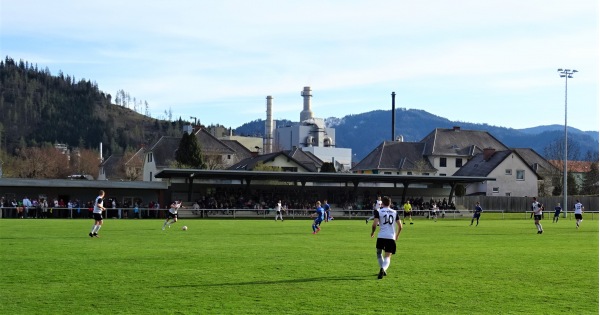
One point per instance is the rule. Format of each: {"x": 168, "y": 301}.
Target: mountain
{"x": 363, "y": 132}
{"x": 38, "y": 108}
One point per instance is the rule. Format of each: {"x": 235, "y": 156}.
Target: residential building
{"x": 294, "y": 160}
{"x": 398, "y": 158}
{"x": 127, "y": 167}
{"x": 449, "y": 149}
{"x": 456, "y": 152}
{"x": 514, "y": 177}
{"x": 217, "y": 154}
{"x": 544, "y": 169}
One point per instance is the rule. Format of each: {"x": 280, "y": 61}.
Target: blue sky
{"x": 475, "y": 61}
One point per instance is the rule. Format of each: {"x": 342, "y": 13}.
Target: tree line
{"x": 39, "y": 110}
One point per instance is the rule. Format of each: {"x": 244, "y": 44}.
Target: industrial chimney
{"x": 393, "y": 116}
{"x": 268, "y": 143}
{"x": 306, "y": 114}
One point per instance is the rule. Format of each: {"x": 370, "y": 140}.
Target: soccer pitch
{"x": 226, "y": 266}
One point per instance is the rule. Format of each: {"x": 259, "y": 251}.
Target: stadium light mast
{"x": 567, "y": 74}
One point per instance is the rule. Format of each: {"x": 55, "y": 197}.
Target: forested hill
{"x": 37, "y": 107}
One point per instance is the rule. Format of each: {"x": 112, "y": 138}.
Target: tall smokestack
{"x": 268, "y": 147}
{"x": 393, "y": 116}
{"x": 101, "y": 158}
{"x": 306, "y": 113}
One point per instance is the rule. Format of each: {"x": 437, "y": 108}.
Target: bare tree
{"x": 85, "y": 162}
{"x": 47, "y": 162}
{"x": 555, "y": 151}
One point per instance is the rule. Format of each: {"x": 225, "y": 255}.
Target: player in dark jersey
{"x": 476, "y": 213}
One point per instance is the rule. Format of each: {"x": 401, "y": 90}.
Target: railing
{"x": 570, "y": 215}
{"x": 152, "y": 213}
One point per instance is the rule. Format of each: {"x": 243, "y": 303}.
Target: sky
{"x": 492, "y": 62}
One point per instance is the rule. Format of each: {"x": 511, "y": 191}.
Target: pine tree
{"x": 328, "y": 167}
{"x": 189, "y": 154}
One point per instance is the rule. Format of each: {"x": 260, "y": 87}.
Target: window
{"x": 496, "y": 190}
{"x": 229, "y": 156}
{"x": 459, "y": 163}
{"x": 520, "y": 175}
{"x": 508, "y": 172}
{"x": 442, "y": 174}
{"x": 150, "y": 176}
{"x": 507, "y": 194}
{"x": 425, "y": 174}
{"x": 387, "y": 173}
{"x": 408, "y": 173}
{"x": 442, "y": 162}
{"x": 149, "y": 157}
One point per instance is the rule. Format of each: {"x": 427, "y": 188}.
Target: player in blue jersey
{"x": 389, "y": 229}
{"x": 557, "y": 211}
{"x": 327, "y": 209}
{"x": 476, "y": 213}
{"x": 319, "y": 216}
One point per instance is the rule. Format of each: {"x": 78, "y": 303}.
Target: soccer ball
{"x": 184, "y": 228}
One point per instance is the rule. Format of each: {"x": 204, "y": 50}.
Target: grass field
{"x": 265, "y": 267}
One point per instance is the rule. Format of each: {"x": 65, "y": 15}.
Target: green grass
{"x": 265, "y": 267}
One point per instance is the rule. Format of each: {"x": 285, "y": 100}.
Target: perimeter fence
{"x": 336, "y": 213}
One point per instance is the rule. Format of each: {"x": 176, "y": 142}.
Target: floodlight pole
{"x": 567, "y": 74}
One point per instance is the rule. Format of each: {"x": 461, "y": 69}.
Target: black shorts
{"x": 407, "y": 214}
{"x": 279, "y": 212}
{"x": 537, "y": 216}
{"x": 387, "y": 245}
{"x": 98, "y": 216}
{"x": 578, "y": 216}
{"x": 171, "y": 215}
{"x": 476, "y": 215}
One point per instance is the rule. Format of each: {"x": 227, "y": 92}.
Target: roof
{"x": 111, "y": 165}
{"x": 306, "y": 160}
{"x": 354, "y": 178}
{"x": 459, "y": 142}
{"x": 241, "y": 152}
{"x": 310, "y": 161}
{"x": 535, "y": 161}
{"x": 395, "y": 155}
{"x": 479, "y": 166}
{"x": 210, "y": 145}
{"x": 164, "y": 149}
{"x": 573, "y": 166}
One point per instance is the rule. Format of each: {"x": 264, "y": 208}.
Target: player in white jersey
{"x": 536, "y": 210}
{"x": 97, "y": 213}
{"x": 172, "y": 214}
{"x": 278, "y": 211}
{"x": 376, "y": 206}
{"x": 578, "y": 208}
{"x": 390, "y": 226}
